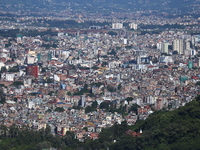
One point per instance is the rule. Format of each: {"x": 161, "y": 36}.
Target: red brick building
{"x": 32, "y": 70}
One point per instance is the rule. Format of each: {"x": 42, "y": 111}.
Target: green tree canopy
{"x": 59, "y": 109}
{"x": 112, "y": 33}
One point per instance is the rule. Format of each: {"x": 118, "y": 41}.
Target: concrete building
{"x": 9, "y": 76}
{"x": 117, "y": 25}
{"x": 164, "y": 48}
{"x": 178, "y": 46}
{"x": 133, "y": 26}
{"x": 31, "y": 59}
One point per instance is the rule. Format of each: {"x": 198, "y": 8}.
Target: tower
{"x": 186, "y": 47}
{"x": 178, "y": 46}
{"x": 137, "y": 52}
{"x": 83, "y": 101}
{"x": 133, "y": 26}
{"x": 164, "y": 48}
{"x": 117, "y": 25}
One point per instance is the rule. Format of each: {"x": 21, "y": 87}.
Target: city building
{"x": 117, "y": 25}
{"x": 178, "y": 46}
{"x": 33, "y": 70}
{"x": 133, "y": 26}
{"x": 164, "y": 48}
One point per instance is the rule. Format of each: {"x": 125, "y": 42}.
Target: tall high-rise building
{"x": 198, "y": 61}
{"x": 164, "y": 48}
{"x": 186, "y": 47}
{"x": 117, "y": 25}
{"x": 133, "y": 26}
{"x": 159, "y": 45}
{"x": 82, "y": 101}
{"x": 195, "y": 40}
{"x": 178, "y": 46}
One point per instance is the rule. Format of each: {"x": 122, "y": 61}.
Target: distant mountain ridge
{"x": 107, "y": 5}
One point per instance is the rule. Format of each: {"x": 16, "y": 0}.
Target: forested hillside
{"x": 177, "y": 129}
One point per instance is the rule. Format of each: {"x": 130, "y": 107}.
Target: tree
{"x": 2, "y": 96}
{"x": 13, "y": 131}
{"x": 134, "y": 108}
{"x": 49, "y": 80}
{"x": 92, "y": 107}
{"x": 47, "y": 130}
{"x": 104, "y": 63}
{"x": 59, "y": 109}
{"x": 95, "y": 67}
{"x": 17, "y": 83}
{"x": 70, "y": 140}
{"x": 94, "y": 104}
{"x": 14, "y": 69}
{"x": 111, "y": 88}
{"x": 105, "y": 105}
{"x": 43, "y": 69}
{"x": 129, "y": 99}
{"x": 4, "y": 131}
{"x": 69, "y": 93}
{"x": 198, "y": 83}
{"x": 43, "y": 145}
{"x": 51, "y": 93}
{"x": 3, "y": 69}
{"x": 119, "y": 87}
{"x": 112, "y": 33}
{"x": 86, "y": 129}
{"x": 112, "y": 52}
{"x": 88, "y": 109}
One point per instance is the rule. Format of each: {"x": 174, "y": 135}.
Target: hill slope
{"x": 106, "y": 5}
{"x": 178, "y": 129}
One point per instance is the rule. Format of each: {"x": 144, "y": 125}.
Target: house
{"x": 94, "y": 136}
{"x": 79, "y": 135}
{"x": 133, "y": 133}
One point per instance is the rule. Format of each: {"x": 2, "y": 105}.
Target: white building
{"x": 178, "y": 46}
{"x": 164, "y": 48}
{"x": 166, "y": 59}
{"x": 60, "y": 34}
{"x": 117, "y": 25}
{"x": 10, "y": 76}
{"x": 159, "y": 45}
{"x": 31, "y": 59}
{"x": 56, "y": 78}
{"x": 193, "y": 52}
{"x": 125, "y": 41}
{"x": 133, "y": 26}
{"x": 195, "y": 39}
